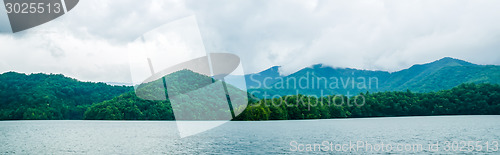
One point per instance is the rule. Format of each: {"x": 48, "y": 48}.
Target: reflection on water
{"x": 155, "y": 137}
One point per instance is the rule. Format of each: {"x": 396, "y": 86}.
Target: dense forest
{"x": 42, "y": 96}
{"x": 465, "y": 99}
{"x": 130, "y": 107}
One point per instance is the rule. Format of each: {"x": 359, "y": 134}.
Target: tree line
{"x": 465, "y": 99}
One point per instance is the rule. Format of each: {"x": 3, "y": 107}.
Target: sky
{"x": 91, "y": 42}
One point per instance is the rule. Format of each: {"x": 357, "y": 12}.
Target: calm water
{"x": 151, "y": 137}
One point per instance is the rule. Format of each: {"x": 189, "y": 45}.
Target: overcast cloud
{"x": 90, "y": 42}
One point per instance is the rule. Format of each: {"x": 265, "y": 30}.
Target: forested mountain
{"x": 417, "y": 77}
{"x": 193, "y": 95}
{"x": 54, "y": 96}
{"x": 323, "y": 80}
{"x": 428, "y": 89}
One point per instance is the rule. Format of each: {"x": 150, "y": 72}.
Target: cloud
{"x": 87, "y": 60}
{"x": 376, "y": 35}
{"x": 90, "y": 42}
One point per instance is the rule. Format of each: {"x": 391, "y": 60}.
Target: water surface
{"x": 161, "y": 137}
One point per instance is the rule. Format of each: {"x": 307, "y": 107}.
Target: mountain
{"x": 321, "y": 80}
{"x": 50, "y": 96}
{"x": 255, "y": 80}
{"x": 407, "y": 78}
{"x": 54, "y": 96}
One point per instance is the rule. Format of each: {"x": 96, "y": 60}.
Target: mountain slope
{"x": 54, "y": 96}
{"x": 403, "y": 79}
{"x": 448, "y": 77}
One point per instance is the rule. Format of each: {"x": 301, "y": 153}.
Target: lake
{"x": 420, "y": 135}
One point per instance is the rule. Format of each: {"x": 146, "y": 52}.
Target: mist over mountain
{"x": 321, "y": 80}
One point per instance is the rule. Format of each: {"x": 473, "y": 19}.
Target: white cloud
{"x": 89, "y": 60}
{"x": 378, "y": 35}
{"x": 89, "y": 42}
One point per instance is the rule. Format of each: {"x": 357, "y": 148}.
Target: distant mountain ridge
{"x": 441, "y": 74}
